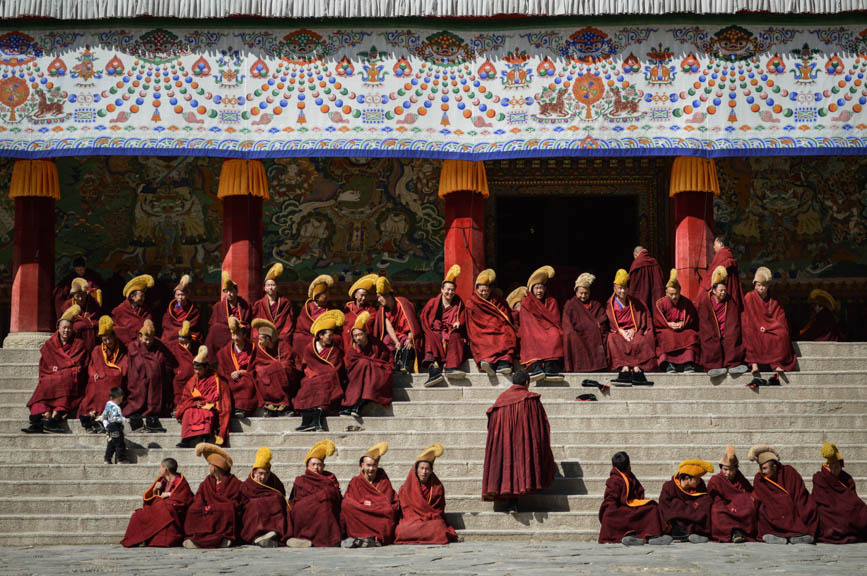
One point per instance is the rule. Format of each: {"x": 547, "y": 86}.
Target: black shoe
{"x": 756, "y": 382}
{"x": 689, "y": 368}
{"x": 86, "y": 422}
{"x": 669, "y": 368}
{"x": 738, "y": 538}
{"x": 639, "y": 379}
{"x": 552, "y": 371}
{"x": 536, "y": 372}
{"x": 434, "y": 377}
{"x": 346, "y": 412}
{"x": 624, "y": 378}
{"x": 152, "y": 424}
{"x": 586, "y": 398}
{"x": 96, "y": 428}
{"x": 774, "y": 381}
{"x": 238, "y": 413}
{"x": 53, "y": 426}
{"x": 504, "y": 368}
{"x": 35, "y": 425}
{"x": 355, "y": 411}
{"x": 181, "y": 444}
{"x": 136, "y": 422}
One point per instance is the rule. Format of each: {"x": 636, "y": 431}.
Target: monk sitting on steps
{"x": 626, "y": 515}
{"x": 685, "y": 503}
{"x": 631, "y": 343}
{"x": 733, "y": 513}
{"x": 719, "y": 324}
{"x": 150, "y": 375}
{"x": 766, "y": 331}
{"x": 315, "y": 502}
{"x": 130, "y": 314}
{"x": 396, "y": 324}
{"x": 585, "y": 330}
{"x": 369, "y": 369}
{"x": 539, "y": 331}
{"x": 842, "y": 512}
{"x": 265, "y": 522}
{"x": 322, "y": 384}
{"x": 235, "y": 367}
{"x": 273, "y": 369}
{"x": 492, "y": 335}
{"x": 676, "y": 322}
{"x": 423, "y": 503}
{"x": 206, "y": 405}
{"x": 214, "y": 519}
{"x": 514, "y": 300}
{"x": 370, "y": 508}
{"x": 444, "y": 323}
{"x": 822, "y": 325}
{"x": 90, "y": 302}
{"x": 107, "y": 369}
{"x": 160, "y": 520}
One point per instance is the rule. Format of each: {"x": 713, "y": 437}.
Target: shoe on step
{"x": 740, "y": 369}
{"x": 663, "y": 540}
{"x": 697, "y": 539}
{"x": 632, "y": 541}
{"x": 488, "y": 368}
{"x": 804, "y": 539}
{"x": 298, "y": 543}
{"x": 773, "y": 539}
{"x": 716, "y": 372}
{"x": 189, "y": 544}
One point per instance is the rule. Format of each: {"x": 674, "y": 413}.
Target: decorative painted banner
{"x": 478, "y": 93}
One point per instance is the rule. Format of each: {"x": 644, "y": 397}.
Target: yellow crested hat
{"x": 830, "y": 453}
{"x": 330, "y": 320}
{"x": 142, "y": 282}
{"x": 201, "y": 356}
{"x": 516, "y": 296}
{"x": 762, "y": 453}
{"x": 319, "y": 285}
{"x": 366, "y": 282}
{"x": 540, "y": 276}
{"x": 361, "y": 321}
{"x": 106, "y": 326}
{"x": 719, "y": 276}
{"x": 376, "y": 451}
{"x": 215, "y": 455}
{"x": 430, "y": 453}
{"x": 729, "y": 458}
{"x": 822, "y": 298}
{"x": 486, "y": 277}
{"x": 186, "y": 329}
{"x": 383, "y": 286}
{"x": 274, "y": 272}
{"x": 226, "y": 282}
{"x": 263, "y": 458}
{"x": 672, "y": 280}
{"x": 696, "y": 468}
{"x": 234, "y": 324}
{"x": 452, "y": 274}
{"x": 78, "y": 285}
{"x": 184, "y": 283}
{"x": 320, "y": 450}
{"x": 621, "y": 278}
{"x": 763, "y": 275}
{"x": 148, "y": 328}
{"x": 585, "y": 280}
{"x": 97, "y": 295}
{"x": 264, "y": 327}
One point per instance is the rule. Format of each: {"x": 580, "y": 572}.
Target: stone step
{"x": 19, "y": 356}
{"x": 830, "y": 349}
{"x": 813, "y": 363}
{"x": 54, "y": 537}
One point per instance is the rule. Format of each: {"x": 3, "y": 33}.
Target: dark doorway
{"x": 574, "y": 234}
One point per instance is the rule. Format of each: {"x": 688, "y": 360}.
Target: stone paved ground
{"x": 502, "y": 558}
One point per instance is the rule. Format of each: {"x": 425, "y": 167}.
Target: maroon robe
{"x": 301, "y": 335}
{"x": 422, "y": 509}
{"x": 676, "y": 346}
{"x": 370, "y": 509}
{"x": 62, "y": 370}
{"x": 173, "y": 319}
{"x": 321, "y": 385}
{"x": 735, "y": 290}
{"x": 842, "y": 512}
{"x": 205, "y": 408}
{"x": 315, "y": 508}
{"x": 822, "y": 327}
{"x": 784, "y": 505}
{"x": 773, "y": 346}
{"x": 625, "y": 511}
{"x": 104, "y": 372}
{"x": 443, "y": 343}
{"x": 182, "y": 373}
{"x": 244, "y": 394}
{"x": 733, "y": 507}
{"x": 539, "y": 330}
{"x": 493, "y": 338}
{"x": 216, "y": 512}
{"x": 279, "y": 314}
{"x": 641, "y": 351}
{"x": 351, "y": 310}
{"x": 274, "y": 375}
{"x": 86, "y": 324}
{"x": 128, "y": 321}
{"x": 518, "y": 457}
{"x": 690, "y": 511}
{"x": 585, "y": 336}
{"x": 149, "y": 380}
{"x": 369, "y": 373}
{"x": 266, "y": 509}
{"x": 721, "y": 344}
{"x": 218, "y": 326}
{"x": 646, "y": 282}
{"x": 64, "y": 287}
{"x": 405, "y": 324}
{"x": 160, "y": 521}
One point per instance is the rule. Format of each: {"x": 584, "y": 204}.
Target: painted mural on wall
{"x": 802, "y": 217}
{"x": 470, "y": 91}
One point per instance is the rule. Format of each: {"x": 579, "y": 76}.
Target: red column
{"x": 693, "y": 243}
{"x": 33, "y": 265}
{"x": 465, "y": 237}
{"x": 242, "y": 244}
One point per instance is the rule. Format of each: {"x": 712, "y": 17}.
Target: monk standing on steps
{"x": 369, "y": 369}
{"x": 822, "y": 325}
{"x": 492, "y": 335}
{"x": 675, "y": 320}
{"x": 719, "y": 325}
{"x": 423, "y": 504}
{"x": 214, "y": 519}
{"x": 631, "y": 342}
{"x": 733, "y": 513}
{"x": 646, "y": 282}
{"x": 396, "y": 324}
{"x": 785, "y": 511}
{"x": 274, "y": 308}
{"x": 160, "y": 520}
{"x": 626, "y": 515}
{"x": 62, "y": 370}
{"x": 107, "y": 369}
{"x": 539, "y": 331}
{"x": 206, "y": 405}
{"x": 444, "y": 323}
{"x": 130, "y": 314}
{"x": 723, "y": 257}
{"x": 842, "y": 512}
{"x": 585, "y": 330}
{"x": 370, "y": 509}
{"x": 315, "y": 502}
{"x": 230, "y": 306}
{"x": 181, "y": 310}
{"x": 685, "y": 503}
{"x": 766, "y": 331}
{"x": 518, "y": 457}
{"x": 266, "y": 514}
{"x": 150, "y": 375}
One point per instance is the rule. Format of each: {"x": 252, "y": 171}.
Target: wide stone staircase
{"x": 55, "y": 489}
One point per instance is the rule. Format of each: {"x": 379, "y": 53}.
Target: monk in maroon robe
{"x": 79, "y": 270}
{"x": 235, "y": 367}
{"x": 765, "y": 329}
{"x": 205, "y": 409}
{"x": 230, "y": 306}
{"x": 315, "y": 501}
{"x": 626, "y": 516}
{"x": 423, "y": 504}
{"x": 675, "y": 320}
{"x": 62, "y": 372}
{"x": 266, "y": 513}
{"x": 539, "y": 331}
{"x": 585, "y": 330}
{"x": 370, "y": 508}
{"x": 149, "y": 380}
{"x": 719, "y": 323}
{"x": 183, "y": 351}
{"x": 274, "y": 308}
{"x": 214, "y": 519}
{"x": 273, "y": 369}
{"x": 631, "y": 340}
{"x": 723, "y": 257}
{"x": 786, "y": 513}
{"x": 107, "y": 369}
{"x": 685, "y": 503}
{"x": 362, "y": 292}
{"x": 444, "y": 323}
{"x": 514, "y": 300}
{"x": 396, "y": 324}
{"x": 90, "y": 302}
{"x": 842, "y": 512}
{"x": 315, "y": 306}
{"x": 518, "y": 456}
{"x": 160, "y": 520}
{"x": 646, "y": 281}
{"x": 369, "y": 369}
{"x": 130, "y": 315}
{"x": 492, "y": 335}
{"x": 181, "y": 309}
{"x": 321, "y": 388}
{"x": 733, "y": 513}
{"x": 822, "y": 325}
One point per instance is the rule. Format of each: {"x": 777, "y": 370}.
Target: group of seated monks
{"x": 226, "y": 512}
{"x": 776, "y": 508}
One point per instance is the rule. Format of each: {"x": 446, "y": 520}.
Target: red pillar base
{"x": 242, "y": 244}
{"x": 693, "y": 244}
{"x": 33, "y": 266}
{"x": 465, "y": 237}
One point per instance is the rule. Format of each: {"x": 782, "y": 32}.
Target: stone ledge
{"x": 26, "y": 340}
